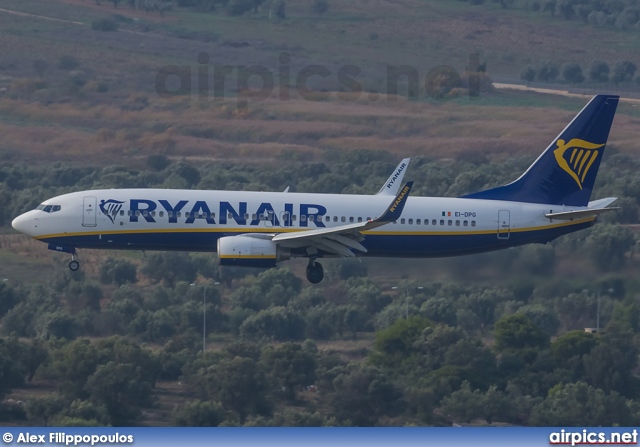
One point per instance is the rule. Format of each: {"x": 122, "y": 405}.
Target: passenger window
{"x": 351, "y": 219}
{"x": 465, "y": 223}
{"x": 368, "y": 219}
{"x": 122, "y": 213}
{"x": 229, "y": 216}
{"x": 311, "y": 219}
{"x": 137, "y": 212}
{"x": 343, "y": 219}
{"x": 473, "y": 223}
{"x": 153, "y": 213}
{"x": 359, "y": 219}
{"x": 402, "y": 221}
{"x": 410, "y": 221}
{"x": 449, "y": 222}
{"x": 303, "y": 218}
{"x": 327, "y": 219}
{"x": 170, "y": 213}
{"x": 294, "y": 217}
{"x": 179, "y": 213}
{"x": 246, "y": 216}
{"x": 418, "y": 221}
{"x": 441, "y": 221}
{"x": 457, "y": 223}
{"x": 335, "y": 218}
{"x": 434, "y": 222}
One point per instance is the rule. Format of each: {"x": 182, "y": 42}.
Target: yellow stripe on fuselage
{"x": 246, "y": 257}
{"x": 291, "y": 230}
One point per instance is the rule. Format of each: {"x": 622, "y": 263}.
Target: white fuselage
{"x": 192, "y": 220}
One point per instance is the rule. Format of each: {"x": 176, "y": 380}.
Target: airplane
{"x": 261, "y": 229}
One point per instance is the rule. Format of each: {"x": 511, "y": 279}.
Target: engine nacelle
{"x": 245, "y": 251}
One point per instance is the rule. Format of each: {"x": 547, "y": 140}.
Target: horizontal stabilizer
{"x": 579, "y": 214}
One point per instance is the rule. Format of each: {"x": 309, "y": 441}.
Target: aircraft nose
{"x": 22, "y": 224}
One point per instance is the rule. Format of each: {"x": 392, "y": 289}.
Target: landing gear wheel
{"x": 74, "y": 265}
{"x": 315, "y": 272}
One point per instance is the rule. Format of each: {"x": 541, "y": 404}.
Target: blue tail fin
{"x": 565, "y": 172}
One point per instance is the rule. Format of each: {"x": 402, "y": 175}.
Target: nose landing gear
{"x": 315, "y": 272}
{"x": 74, "y": 265}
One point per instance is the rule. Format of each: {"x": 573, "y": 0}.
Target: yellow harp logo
{"x": 579, "y": 159}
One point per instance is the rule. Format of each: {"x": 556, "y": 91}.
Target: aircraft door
{"x": 504, "y": 224}
{"x": 89, "y": 212}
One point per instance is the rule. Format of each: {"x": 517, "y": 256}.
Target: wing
{"x": 342, "y": 240}
{"x": 392, "y": 185}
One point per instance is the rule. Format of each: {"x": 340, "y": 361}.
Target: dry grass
{"x": 273, "y": 129}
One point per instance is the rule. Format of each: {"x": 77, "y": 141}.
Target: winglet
{"x": 395, "y": 209}
{"x": 392, "y": 185}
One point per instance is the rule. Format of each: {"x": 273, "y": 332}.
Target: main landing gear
{"x": 315, "y": 272}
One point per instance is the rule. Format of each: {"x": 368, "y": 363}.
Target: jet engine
{"x": 246, "y": 251}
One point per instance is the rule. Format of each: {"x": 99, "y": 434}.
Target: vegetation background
{"x": 489, "y": 339}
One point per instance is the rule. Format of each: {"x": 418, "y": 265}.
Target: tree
{"x": 290, "y": 366}
{"x": 395, "y": 344}
{"x": 623, "y": 71}
{"x": 608, "y": 244}
{"x": 67, "y": 62}
{"x": 599, "y": 71}
{"x": 117, "y": 271}
{"x": 578, "y": 404}
{"x": 466, "y": 405}
{"x": 158, "y": 162}
{"x": 528, "y": 73}
{"x": 10, "y": 374}
{"x": 41, "y": 410}
{"x": 516, "y": 333}
{"x": 609, "y": 365}
{"x": 279, "y": 9}
{"x": 122, "y": 389}
{"x": 275, "y": 323}
{"x": 256, "y": 4}
{"x": 363, "y": 395}
{"x": 319, "y": 6}
{"x": 239, "y": 7}
{"x": 197, "y": 413}
{"x": 72, "y": 365}
{"x": 104, "y": 25}
{"x": 170, "y": 268}
{"x": 40, "y": 67}
{"x": 572, "y": 73}
{"x": 239, "y": 384}
{"x": 547, "y": 71}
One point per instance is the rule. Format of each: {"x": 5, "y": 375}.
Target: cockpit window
{"x": 48, "y": 208}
